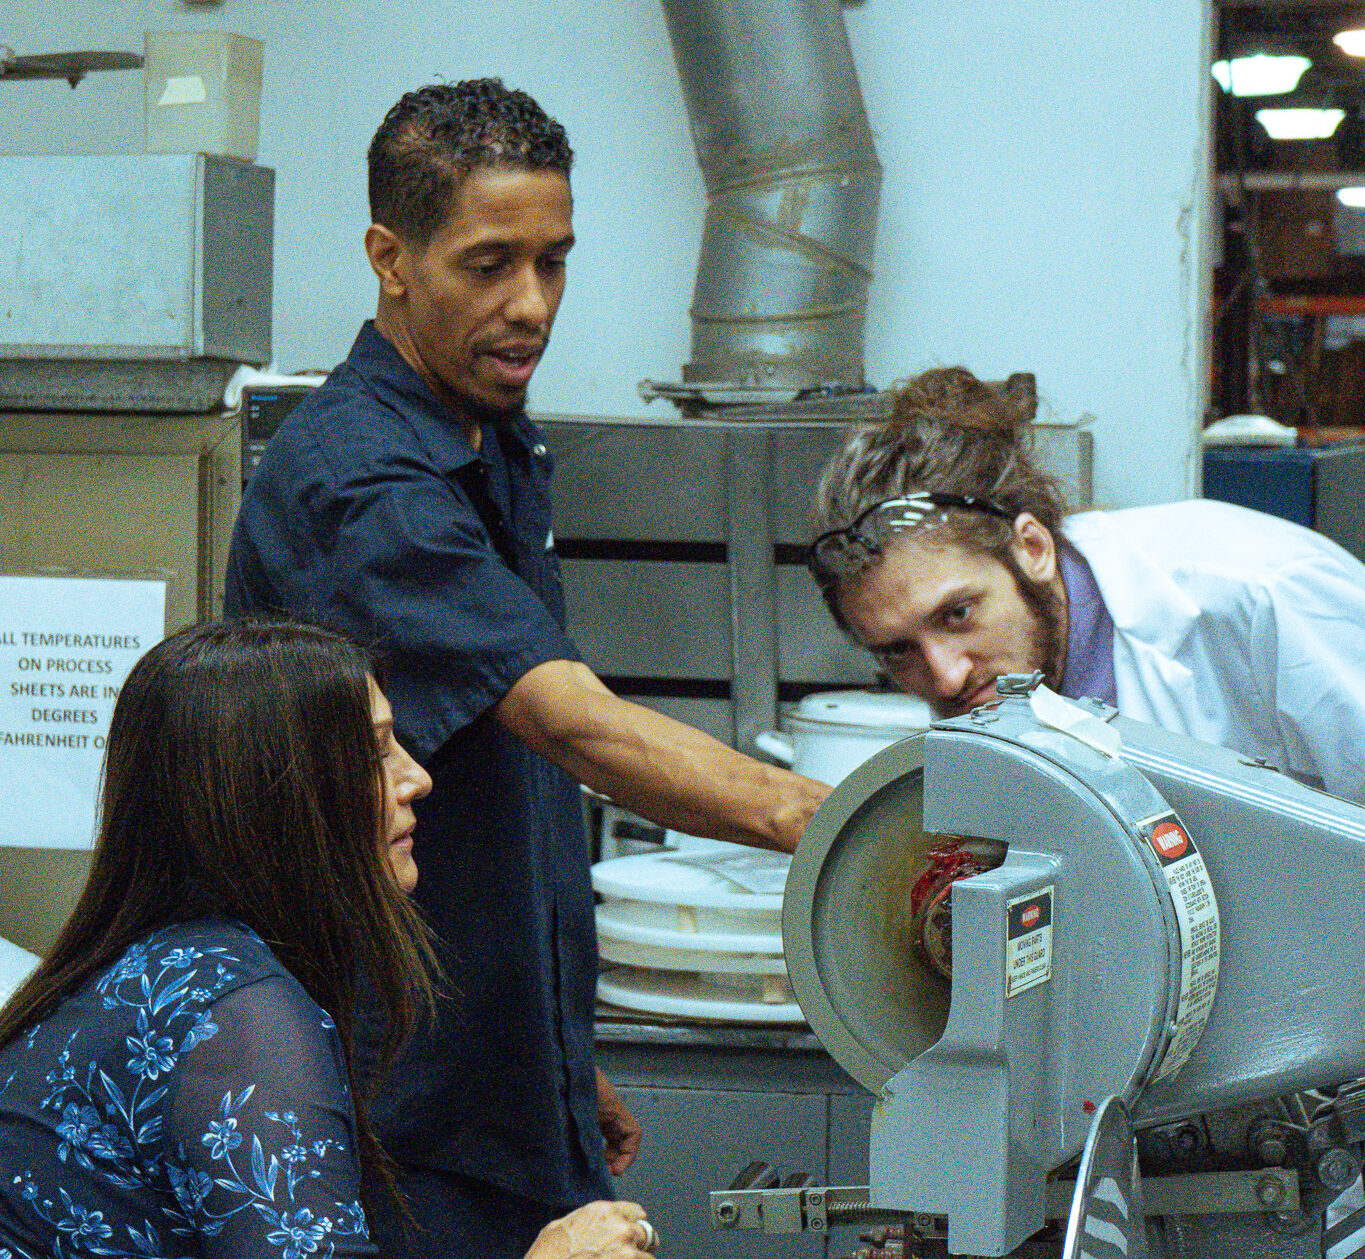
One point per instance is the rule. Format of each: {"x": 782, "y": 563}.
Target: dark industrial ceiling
{"x": 1290, "y": 288}
{"x": 1334, "y": 80}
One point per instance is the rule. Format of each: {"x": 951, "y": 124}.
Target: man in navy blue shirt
{"x": 407, "y": 500}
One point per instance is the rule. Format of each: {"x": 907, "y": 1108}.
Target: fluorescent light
{"x": 1352, "y": 43}
{"x": 1261, "y": 75}
{"x": 1300, "y": 124}
{"x": 1353, "y": 196}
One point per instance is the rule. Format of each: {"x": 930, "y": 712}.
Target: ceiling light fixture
{"x": 1261, "y": 75}
{"x": 1300, "y": 124}
{"x": 1353, "y": 196}
{"x": 1352, "y": 43}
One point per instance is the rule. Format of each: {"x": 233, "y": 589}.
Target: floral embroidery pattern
{"x": 241, "y": 1171}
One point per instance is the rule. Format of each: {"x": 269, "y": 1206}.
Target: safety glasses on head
{"x": 846, "y": 551}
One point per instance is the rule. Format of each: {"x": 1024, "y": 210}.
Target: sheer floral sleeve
{"x": 190, "y": 1100}
{"x": 260, "y": 1134}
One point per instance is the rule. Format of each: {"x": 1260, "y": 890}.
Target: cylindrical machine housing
{"x": 1171, "y": 925}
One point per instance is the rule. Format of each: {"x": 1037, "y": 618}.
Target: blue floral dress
{"x": 191, "y": 1101}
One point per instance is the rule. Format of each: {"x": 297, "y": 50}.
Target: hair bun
{"x": 952, "y": 397}
{"x": 949, "y": 433}
{"x": 1021, "y": 388}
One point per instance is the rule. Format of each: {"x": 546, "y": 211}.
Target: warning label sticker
{"x": 1028, "y": 942}
{"x": 1196, "y": 915}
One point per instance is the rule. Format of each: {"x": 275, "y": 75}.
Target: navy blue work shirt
{"x": 372, "y": 512}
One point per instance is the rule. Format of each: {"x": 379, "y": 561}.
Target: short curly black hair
{"x": 435, "y": 136}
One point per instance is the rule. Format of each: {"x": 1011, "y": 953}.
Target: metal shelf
{"x": 71, "y": 66}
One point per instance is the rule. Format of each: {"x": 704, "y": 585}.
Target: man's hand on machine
{"x": 620, "y": 1131}
{"x": 600, "y": 1230}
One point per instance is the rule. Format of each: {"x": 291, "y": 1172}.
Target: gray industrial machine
{"x": 1001, "y": 924}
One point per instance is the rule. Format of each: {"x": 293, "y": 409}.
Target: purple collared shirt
{"x": 1090, "y": 632}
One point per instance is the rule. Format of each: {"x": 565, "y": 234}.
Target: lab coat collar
{"x": 1153, "y": 617}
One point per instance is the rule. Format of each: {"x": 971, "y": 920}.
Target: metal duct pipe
{"x": 793, "y": 182}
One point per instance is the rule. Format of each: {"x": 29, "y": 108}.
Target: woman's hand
{"x": 600, "y": 1230}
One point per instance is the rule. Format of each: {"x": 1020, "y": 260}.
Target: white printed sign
{"x": 1028, "y": 941}
{"x": 66, "y": 645}
{"x": 1196, "y": 915}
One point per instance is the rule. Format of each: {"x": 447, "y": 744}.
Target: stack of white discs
{"x": 696, "y": 933}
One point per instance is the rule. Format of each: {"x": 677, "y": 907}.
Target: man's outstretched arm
{"x": 662, "y": 769}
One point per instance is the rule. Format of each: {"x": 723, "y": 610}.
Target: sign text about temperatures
{"x": 66, "y": 690}
{"x": 66, "y": 646}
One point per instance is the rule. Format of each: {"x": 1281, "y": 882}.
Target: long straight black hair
{"x": 242, "y": 779}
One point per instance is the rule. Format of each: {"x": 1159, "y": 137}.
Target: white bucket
{"x": 831, "y": 733}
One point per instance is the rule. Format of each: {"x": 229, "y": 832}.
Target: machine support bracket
{"x": 817, "y": 1208}
{"x": 798, "y": 1209}
{"x": 1251, "y": 1192}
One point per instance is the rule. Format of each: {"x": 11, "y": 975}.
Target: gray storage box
{"x": 135, "y": 256}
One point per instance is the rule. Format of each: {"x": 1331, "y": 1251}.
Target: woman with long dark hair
{"x": 176, "y": 1076}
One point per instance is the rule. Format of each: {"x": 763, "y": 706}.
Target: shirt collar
{"x": 440, "y": 427}
{"x": 1090, "y": 632}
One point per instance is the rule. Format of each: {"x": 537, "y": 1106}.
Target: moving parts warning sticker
{"x": 1028, "y": 942}
{"x": 1196, "y": 915}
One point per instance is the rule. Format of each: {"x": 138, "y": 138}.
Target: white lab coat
{"x": 1237, "y": 628}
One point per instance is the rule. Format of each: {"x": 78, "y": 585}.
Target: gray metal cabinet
{"x": 695, "y": 1141}
{"x": 710, "y": 1106}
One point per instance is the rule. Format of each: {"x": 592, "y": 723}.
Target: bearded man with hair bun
{"x": 945, "y": 551}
